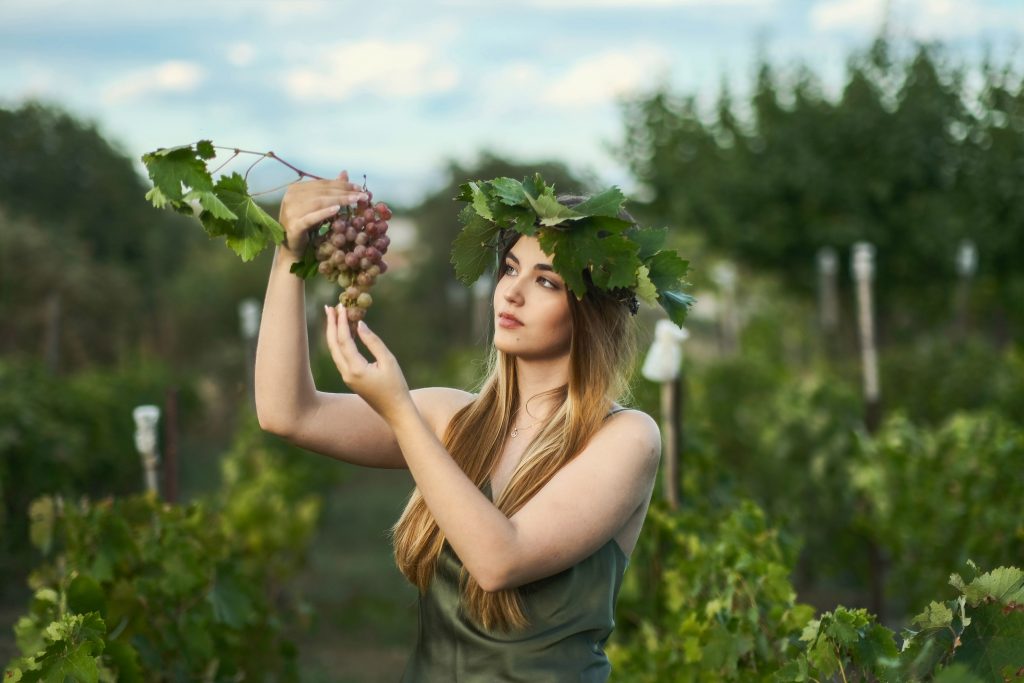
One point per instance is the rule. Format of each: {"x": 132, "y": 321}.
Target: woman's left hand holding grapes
{"x": 380, "y": 383}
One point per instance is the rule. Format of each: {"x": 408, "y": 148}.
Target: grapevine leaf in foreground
{"x": 253, "y": 227}
{"x": 172, "y": 168}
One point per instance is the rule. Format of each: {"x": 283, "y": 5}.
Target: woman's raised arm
{"x": 288, "y": 404}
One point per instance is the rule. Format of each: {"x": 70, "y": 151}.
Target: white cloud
{"x": 847, "y": 14}
{"x": 508, "y": 89}
{"x": 390, "y": 69}
{"x": 35, "y": 80}
{"x": 600, "y": 78}
{"x": 241, "y": 54}
{"x": 920, "y": 19}
{"x": 170, "y": 76}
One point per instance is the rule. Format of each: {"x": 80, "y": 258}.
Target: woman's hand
{"x": 310, "y": 203}
{"x": 381, "y": 383}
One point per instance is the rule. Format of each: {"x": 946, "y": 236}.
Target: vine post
{"x": 828, "y": 298}
{"x": 249, "y": 320}
{"x": 663, "y": 365}
{"x": 146, "y": 419}
{"x": 724, "y": 275}
{"x": 863, "y": 267}
{"x": 966, "y": 265}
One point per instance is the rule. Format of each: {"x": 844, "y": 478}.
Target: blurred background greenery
{"x": 106, "y": 304}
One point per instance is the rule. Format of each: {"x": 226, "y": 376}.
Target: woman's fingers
{"x": 347, "y": 344}
{"x": 374, "y": 344}
{"x": 343, "y": 347}
{"x": 332, "y": 339}
{"x": 316, "y": 217}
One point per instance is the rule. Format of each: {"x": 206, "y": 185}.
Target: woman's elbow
{"x": 492, "y": 580}
{"x": 271, "y": 425}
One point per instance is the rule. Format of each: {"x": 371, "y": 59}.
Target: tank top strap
{"x": 615, "y": 410}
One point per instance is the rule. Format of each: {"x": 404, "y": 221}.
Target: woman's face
{"x": 531, "y": 309}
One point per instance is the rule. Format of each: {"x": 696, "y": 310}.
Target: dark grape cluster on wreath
{"x": 350, "y": 250}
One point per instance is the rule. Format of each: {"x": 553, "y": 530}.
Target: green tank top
{"x": 571, "y": 615}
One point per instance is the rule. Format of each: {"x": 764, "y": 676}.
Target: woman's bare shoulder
{"x": 439, "y": 404}
{"x": 634, "y": 420}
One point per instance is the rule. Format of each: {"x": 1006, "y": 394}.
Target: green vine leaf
{"x": 252, "y": 228}
{"x": 173, "y": 168}
{"x": 471, "y": 251}
{"x": 607, "y": 203}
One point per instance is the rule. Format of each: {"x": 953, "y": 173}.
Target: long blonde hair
{"x": 601, "y": 352}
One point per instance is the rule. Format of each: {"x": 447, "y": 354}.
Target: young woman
{"x": 530, "y": 494}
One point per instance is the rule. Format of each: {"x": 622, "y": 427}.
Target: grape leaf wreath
{"x": 620, "y": 257}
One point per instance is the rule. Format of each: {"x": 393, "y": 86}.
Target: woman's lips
{"x": 508, "y": 321}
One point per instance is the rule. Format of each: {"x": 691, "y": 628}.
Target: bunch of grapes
{"x": 350, "y": 251}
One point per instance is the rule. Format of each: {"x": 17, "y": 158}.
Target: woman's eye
{"x": 548, "y": 283}
{"x": 508, "y": 267}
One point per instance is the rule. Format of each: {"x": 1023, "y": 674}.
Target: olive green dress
{"x": 571, "y": 616}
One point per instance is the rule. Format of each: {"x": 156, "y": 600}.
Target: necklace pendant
{"x": 515, "y": 432}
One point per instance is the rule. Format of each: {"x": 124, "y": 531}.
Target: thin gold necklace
{"x": 515, "y": 430}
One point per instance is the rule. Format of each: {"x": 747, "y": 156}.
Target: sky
{"x": 394, "y": 90}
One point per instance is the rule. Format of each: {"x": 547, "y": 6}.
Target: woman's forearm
{"x": 479, "y": 533}
{"x": 284, "y": 382}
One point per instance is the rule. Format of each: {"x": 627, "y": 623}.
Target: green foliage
{"x": 709, "y": 599}
{"x": 61, "y": 304}
{"x": 935, "y": 497}
{"x": 927, "y": 492}
{"x": 977, "y": 636}
{"x": 194, "y": 592}
{"x": 63, "y": 173}
{"x": 715, "y": 602}
{"x": 935, "y": 377}
{"x": 910, "y": 157}
{"x": 72, "y": 436}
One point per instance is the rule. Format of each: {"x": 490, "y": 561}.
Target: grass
{"x": 364, "y": 625}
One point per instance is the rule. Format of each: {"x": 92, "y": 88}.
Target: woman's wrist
{"x": 285, "y": 256}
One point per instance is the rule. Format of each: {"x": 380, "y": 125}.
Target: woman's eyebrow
{"x": 539, "y": 266}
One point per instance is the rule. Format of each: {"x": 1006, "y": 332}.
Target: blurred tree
{"x": 84, "y": 255}
{"x": 909, "y": 157}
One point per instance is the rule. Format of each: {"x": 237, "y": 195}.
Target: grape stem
{"x": 264, "y": 155}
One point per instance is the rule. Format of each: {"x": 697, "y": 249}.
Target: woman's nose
{"x": 512, "y": 294}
